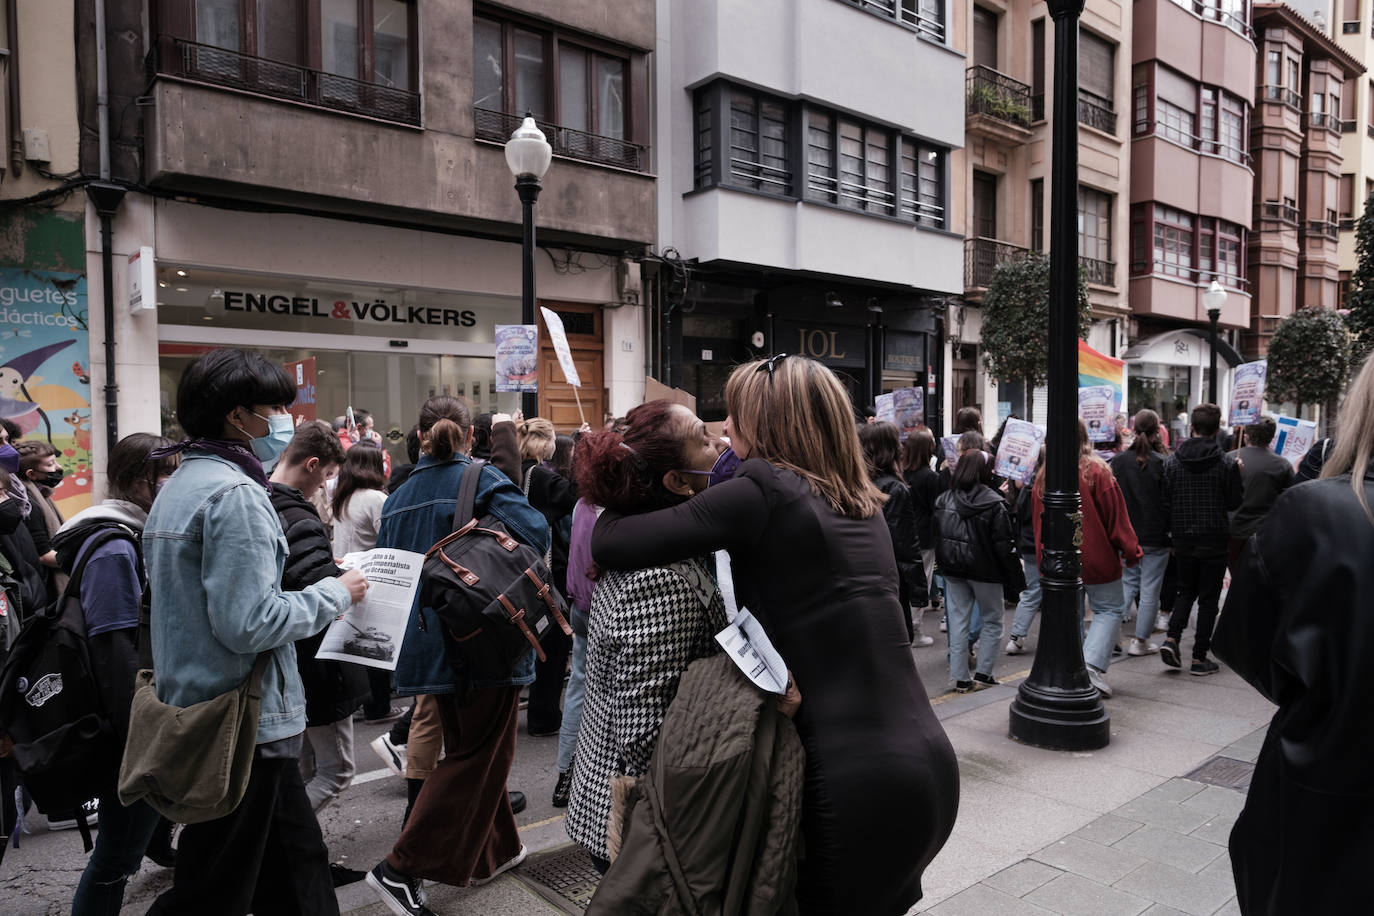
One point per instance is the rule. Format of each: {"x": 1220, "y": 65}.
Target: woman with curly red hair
{"x": 646, "y": 625}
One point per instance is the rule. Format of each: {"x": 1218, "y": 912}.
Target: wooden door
{"x": 557, "y": 402}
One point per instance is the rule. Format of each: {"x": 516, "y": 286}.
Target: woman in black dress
{"x": 812, "y": 560}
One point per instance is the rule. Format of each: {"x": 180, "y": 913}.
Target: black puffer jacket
{"x": 333, "y": 690}
{"x": 974, "y": 539}
{"x": 1024, "y": 520}
{"x": 1143, "y": 489}
{"x": 901, "y": 524}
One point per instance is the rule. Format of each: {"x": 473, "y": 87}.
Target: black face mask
{"x": 50, "y": 479}
{"x": 11, "y": 515}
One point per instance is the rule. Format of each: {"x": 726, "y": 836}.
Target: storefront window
{"x": 1163, "y": 389}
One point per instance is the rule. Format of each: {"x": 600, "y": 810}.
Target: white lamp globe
{"x": 527, "y": 152}
{"x": 1214, "y": 298}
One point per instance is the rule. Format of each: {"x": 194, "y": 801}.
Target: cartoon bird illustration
{"x": 81, "y": 374}
{"x": 17, "y": 403}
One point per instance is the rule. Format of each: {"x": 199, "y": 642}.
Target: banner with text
{"x": 1247, "y": 392}
{"x": 517, "y": 357}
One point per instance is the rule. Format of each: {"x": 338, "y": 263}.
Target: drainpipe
{"x": 16, "y": 137}
{"x": 106, "y": 196}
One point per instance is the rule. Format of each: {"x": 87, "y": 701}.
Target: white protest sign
{"x": 1096, "y": 404}
{"x": 885, "y": 408}
{"x": 1018, "y": 450}
{"x": 1247, "y": 392}
{"x": 559, "y": 338}
{"x": 909, "y": 410}
{"x": 1294, "y": 438}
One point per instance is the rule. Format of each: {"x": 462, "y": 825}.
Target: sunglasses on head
{"x": 769, "y": 364}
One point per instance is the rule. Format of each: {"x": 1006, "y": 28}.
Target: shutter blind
{"x": 1096, "y": 58}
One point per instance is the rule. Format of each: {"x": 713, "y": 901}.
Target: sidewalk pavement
{"x": 1115, "y": 831}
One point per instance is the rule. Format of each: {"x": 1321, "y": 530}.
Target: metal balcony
{"x": 575, "y": 144}
{"x": 1096, "y": 113}
{"x": 998, "y": 96}
{"x": 1100, "y": 273}
{"x": 981, "y": 257}
{"x": 277, "y": 79}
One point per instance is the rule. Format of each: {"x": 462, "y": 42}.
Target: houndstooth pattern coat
{"x": 645, "y": 628}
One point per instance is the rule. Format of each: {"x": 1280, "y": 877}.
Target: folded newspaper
{"x": 370, "y": 632}
{"x": 744, "y": 639}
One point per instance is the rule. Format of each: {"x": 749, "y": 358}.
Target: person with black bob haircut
{"x": 215, "y": 556}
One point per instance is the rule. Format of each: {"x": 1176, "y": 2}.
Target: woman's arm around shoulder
{"x": 730, "y": 515}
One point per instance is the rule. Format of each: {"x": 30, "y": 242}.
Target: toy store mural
{"x": 45, "y": 387}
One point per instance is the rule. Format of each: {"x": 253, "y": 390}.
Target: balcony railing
{"x": 1318, "y": 120}
{"x": 1188, "y": 274}
{"x": 1281, "y": 94}
{"x": 1272, "y": 209}
{"x": 1324, "y": 228}
{"x": 1102, "y": 273}
{"x": 223, "y": 67}
{"x": 1227, "y": 12}
{"x": 981, "y": 257}
{"x": 575, "y": 144}
{"x": 927, "y": 23}
{"x": 1096, "y": 113}
{"x": 998, "y": 95}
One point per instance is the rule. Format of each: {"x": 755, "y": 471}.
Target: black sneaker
{"x": 90, "y": 812}
{"x": 342, "y": 876}
{"x": 984, "y": 681}
{"x": 517, "y": 801}
{"x": 160, "y": 850}
{"x": 1203, "y": 667}
{"x": 963, "y": 686}
{"x": 563, "y": 790}
{"x": 1168, "y": 653}
{"x": 402, "y": 894}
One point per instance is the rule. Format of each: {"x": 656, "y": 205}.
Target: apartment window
{"x": 1235, "y": 138}
{"x": 1295, "y": 76}
{"x": 218, "y": 23}
{"x": 580, "y": 94}
{"x": 1174, "y": 122}
{"x": 1166, "y": 103}
{"x": 1206, "y": 247}
{"x": 758, "y": 143}
{"x": 1230, "y": 261}
{"x": 1273, "y": 63}
{"x": 1038, "y": 214}
{"x": 1096, "y": 66}
{"x": 1095, "y": 234}
{"x": 1173, "y": 242}
{"x": 1207, "y": 127}
{"x": 1343, "y": 284}
{"x": 1038, "y": 70}
{"x": 849, "y": 163}
{"x": 1350, "y": 16}
{"x": 984, "y": 38}
{"x": 1140, "y": 101}
{"x": 1348, "y": 111}
{"x": 984, "y": 205}
{"x": 926, "y": 16}
{"x": 1346, "y": 197}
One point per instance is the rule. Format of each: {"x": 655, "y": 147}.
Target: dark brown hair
{"x": 881, "y": 444}
{"x": 918, "y": 450}
{"x": 1147, "y": 437}
{"x": 32, "y": 453}
{"x": 314, "y": 439}
{"x": 362, "y": 469}
{"x": 1206, "y": 420}
{"x": 968, "y": 419}
{"x": 974, "y": 467}
{"x": 128, "y": 466}
{"x": 444, "y": 422}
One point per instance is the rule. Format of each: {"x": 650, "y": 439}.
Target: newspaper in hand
{"x": 370, "y": 631}
{"x": 744, "y": 639}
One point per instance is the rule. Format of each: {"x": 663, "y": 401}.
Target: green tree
{"x": 1361, "y": 301}
{"x": 1016, "y": 322}
{"x": 1309, "y": 360}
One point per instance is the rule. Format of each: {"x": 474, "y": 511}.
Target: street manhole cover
{"x": 1225, "y": 772}
{"x": 565, "y": 877}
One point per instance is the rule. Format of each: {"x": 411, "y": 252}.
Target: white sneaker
{"x": 1141, "y": 647}
{"x": 393, "y": 755}
{"x": 1014, "y": 645}
{"x": 922, "y": 640}
{"x": 1162, "y": 623}
{"x": 503, "y": 867}
{"x": 1099, "y": 682}
{"x": 944, "y": 624}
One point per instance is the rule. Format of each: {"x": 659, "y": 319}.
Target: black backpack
{"x": 493, "y": 595}
{"x": 65, "y": 742}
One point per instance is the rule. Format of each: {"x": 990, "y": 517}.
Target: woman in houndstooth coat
{"x": 646, "y": 625}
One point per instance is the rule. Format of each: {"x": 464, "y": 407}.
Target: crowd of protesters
{"x": 836, "y": 538}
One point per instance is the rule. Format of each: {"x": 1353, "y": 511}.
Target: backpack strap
{"x": 93, "y": 543}
{"x": 465, "y": 509}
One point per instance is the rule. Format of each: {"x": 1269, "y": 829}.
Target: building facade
{"x": 807, "y": 200}
{"x": 1352, "y": 28}
{"x": 1192, "y": 177}
{"x": 326, "y": 182}
{"x": 1303, "y": 77}
{"x": 1005, "y": 167}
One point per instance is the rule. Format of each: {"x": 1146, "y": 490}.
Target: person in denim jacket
{"x": 460, "y": 829}
{"x": 215, "y": 551}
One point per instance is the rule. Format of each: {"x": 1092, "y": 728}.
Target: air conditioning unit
{"x": 629, "y": 283}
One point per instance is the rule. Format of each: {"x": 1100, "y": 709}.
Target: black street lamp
{"x": 528, "y": 154}
{"x": 1056, "y": 706}
{"x": 1213, "y": 299}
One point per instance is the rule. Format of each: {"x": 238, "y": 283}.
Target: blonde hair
{"x": 537, "y": 439}
{"x": 1350, "y": 453}
{"x": 1088, "y": 460}
{"x": 799, "y": 417}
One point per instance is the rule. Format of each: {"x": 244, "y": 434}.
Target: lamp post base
{"x": 1060, "y": 720}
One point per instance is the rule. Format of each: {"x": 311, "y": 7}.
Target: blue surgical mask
{"x": 280, "y": 431}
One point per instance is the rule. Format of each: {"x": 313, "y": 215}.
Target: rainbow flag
{"x": 1099, "y": 369}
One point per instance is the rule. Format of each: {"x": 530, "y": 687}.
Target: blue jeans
{"x": 119, "y": 845}
{"x": 1140, "y": 583}
{"x": 1108, "y": 609}
{"x": 961, "y": 597}
{"x": 572, "y": 705}
{"x": 1029, "y": 605}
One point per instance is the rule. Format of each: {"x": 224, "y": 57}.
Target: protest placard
{"x": 1293, "y": 439}
{"x": 950, "y": 446}
{"x": 1018, "y": 450}
{"x": 885, "y": 409}
{"x": 909, "y": 410}
{"x": 1247, "y": 392}
{"x": 1096, "y": 405}
{"x": 517, "y": 357}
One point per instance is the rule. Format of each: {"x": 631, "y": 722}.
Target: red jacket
{"x": 1108, "y": 537}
